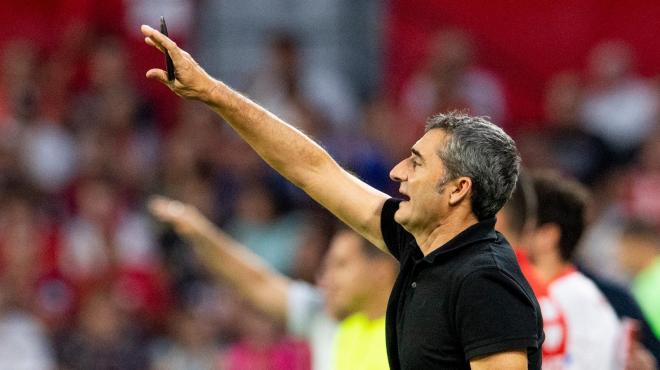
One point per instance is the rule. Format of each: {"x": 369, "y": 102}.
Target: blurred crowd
{"x": 89, "y": 280}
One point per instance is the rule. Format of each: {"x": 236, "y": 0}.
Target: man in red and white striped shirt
{"x": 581, "y": 327}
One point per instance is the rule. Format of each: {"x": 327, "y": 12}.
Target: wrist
{"x": 209, "y": 95}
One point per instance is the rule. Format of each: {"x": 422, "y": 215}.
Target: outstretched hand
{"x": 191, "y": 80}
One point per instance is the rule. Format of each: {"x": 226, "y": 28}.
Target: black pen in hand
{"x": 168, "y": 59}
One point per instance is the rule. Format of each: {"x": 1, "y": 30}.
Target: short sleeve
{"x": 494, "y": 314}
{"x": 304, "y": 303}
{"x": 394, "y": 234}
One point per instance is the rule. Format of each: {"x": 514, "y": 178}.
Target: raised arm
{"x": 225, "y": 258}
{"x": 282, "y": 146}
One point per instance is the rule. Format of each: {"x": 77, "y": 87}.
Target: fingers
{"x": 181, "y": 216}
{"x": 166, "y": 209}
{"x": 158, "y": 74}
{"x": 151, "y": 42}
{"x": 156, "y": 200}
{"x": 157, "y": 205}
{"x": 160, "y": 41}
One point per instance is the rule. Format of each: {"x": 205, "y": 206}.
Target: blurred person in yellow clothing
{"x": 360, "y": 339}
{"x": 360, "y": 343}
{"x": 344, "y": 322}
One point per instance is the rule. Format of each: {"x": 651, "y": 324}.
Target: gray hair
{"x": 480, "y": 150}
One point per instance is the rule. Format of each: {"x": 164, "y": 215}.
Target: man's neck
{"x": 430, "y": 240}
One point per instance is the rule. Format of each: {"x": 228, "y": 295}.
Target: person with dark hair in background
{"x": 458, "y": 175}
{"x": 517, "y": 221}
{"x": 583, "y": 330}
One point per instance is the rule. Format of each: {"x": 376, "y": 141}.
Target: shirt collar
{"x": 481, "y": 231}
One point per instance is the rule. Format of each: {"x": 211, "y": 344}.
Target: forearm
{"x": 283, "y": 147}
{"x": 229, "y": 261}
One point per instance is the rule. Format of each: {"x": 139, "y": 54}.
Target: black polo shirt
{"x": 465, "y": 299}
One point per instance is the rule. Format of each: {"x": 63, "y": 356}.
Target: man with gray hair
{"x": 460, "y": 300}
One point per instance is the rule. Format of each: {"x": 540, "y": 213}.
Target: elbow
{"x": 317, "y": 168}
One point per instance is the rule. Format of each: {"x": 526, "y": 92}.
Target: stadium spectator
{"x": 103, "y": 338}
{"x": 560, "y": 142}
{"x": 108, "y": 242}
{"x": 41, "y": 146}
{"x": 619, "y": 106}
{"x": 24, "y": 341}
{"x": 191, "y": 341}
{"x": 451, "y": 80}
{"x": 18, "y": 87}
{"x": 641, "y": 199}
{"x": 259, "y": 224}
{"x": 291, "y": 89}
{"x": 263, "y": 346}
{"x": 114, "y": 123}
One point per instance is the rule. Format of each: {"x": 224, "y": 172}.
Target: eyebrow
{"x": 417, "y": 153}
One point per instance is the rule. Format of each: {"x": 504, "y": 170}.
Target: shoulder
{"x": 491, "y": 255}
{"x": 493, "y": 264}
{"x": 493, "y": 277}
{"x": 496, "y": 313}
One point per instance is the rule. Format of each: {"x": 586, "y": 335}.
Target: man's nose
{"x": 398, "y": 172}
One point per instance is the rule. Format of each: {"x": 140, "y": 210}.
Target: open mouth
{"x": 405, "y": 197}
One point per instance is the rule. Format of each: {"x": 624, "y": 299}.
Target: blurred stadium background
{"x": 87, "y": 277}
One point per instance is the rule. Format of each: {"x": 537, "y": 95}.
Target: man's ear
{"x": 460, "y": 188}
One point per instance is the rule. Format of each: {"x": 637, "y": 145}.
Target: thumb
{"x": 158, "y": 74}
